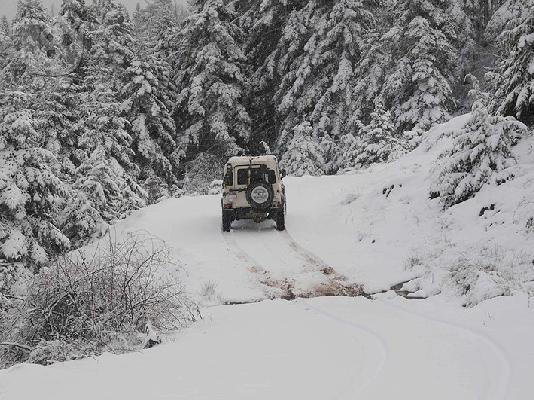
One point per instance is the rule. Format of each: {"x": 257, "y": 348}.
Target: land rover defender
{"x": 253, "y": 189}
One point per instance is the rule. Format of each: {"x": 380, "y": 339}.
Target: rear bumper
{"x": 257, "y": 215}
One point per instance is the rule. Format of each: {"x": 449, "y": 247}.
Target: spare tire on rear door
{"x": 260, "y": 195}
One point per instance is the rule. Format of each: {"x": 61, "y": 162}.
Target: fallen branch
{"x": 9, "y": 296}
{"x": 18, "y": 345}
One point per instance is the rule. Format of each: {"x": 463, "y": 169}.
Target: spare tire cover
{"x": 260, "y": 195}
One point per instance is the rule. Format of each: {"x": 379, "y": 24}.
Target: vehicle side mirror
{"x": 282, "y": 173}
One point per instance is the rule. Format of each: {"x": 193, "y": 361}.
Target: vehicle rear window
{"x": 256, "y": 175}
{"x": 242, "y": 176}
{"x": 263, "y": 175}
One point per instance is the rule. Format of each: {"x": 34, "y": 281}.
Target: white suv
{"x": 253, "y": 189}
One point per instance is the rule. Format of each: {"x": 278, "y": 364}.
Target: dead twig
{"x": 17, "y": 345}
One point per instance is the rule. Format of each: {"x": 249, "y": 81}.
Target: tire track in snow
{"x": 503, "y": 381}
{"x": 309, "y": 258}
{"x": 304, "y": 253}
{"x": 261, "y": 273}
{"x": 336, "y": 284}
{"x": 498, "y": 383}
{"x": 238, "y": 252}
{"x": 381, "y": 350}
{"x": 286, "y": 266}
{"x": 322, "y": 265}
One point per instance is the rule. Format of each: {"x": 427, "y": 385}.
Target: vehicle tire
{"x": 227, "y": 218}
{"x": 260, "y": 195}
{"x": 280, "y": 221}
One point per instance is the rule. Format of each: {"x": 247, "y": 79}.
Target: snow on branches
{"x": 211, "y": 82}
{"x": 480, "y": 154}
{"x": 514, "y": 81}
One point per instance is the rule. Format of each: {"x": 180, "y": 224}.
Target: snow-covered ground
{"x": 376, "y": 228}
{"x": 325, "y": 348}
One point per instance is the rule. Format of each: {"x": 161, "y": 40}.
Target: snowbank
{"x": 380, "y": 227}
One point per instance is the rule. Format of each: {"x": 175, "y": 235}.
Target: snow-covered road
{"x": 239, "y": 264}
{"x": 327, "y": 348}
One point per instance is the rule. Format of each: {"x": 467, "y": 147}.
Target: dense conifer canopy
{"x": 102, "y": 112}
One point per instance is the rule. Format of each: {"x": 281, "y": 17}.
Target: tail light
{"x": 228, "y": 199}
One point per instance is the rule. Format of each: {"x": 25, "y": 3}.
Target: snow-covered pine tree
{"x": 415, "y": 68}
{"x": 293, "y": 65}
{"x": 4, "y": 25}
{"x": 34, "y": 120}
{"x": 6, "y": 46}
{"x": 76, "y": 21}
{"x": 322, "y": 90}
{"x": 5, "y": 31}
{"x": 303, "y": 155}
{"x": 69, "y": 136}
{"x": 480, "y": 153}
{"x": 418, "y": 91}
{"x": 515, "y": 80}
{"x": 507, "y": 17}
{"x": 75, "y": 12}
{"x": 269, "y": 39}
{"x": 315, "y": 57}
{"x": 378, "y": 141}
{"x": 105, "y": 136}
{"x": 151, "y": 126}
{"x": 155, "y": 27}
{"x": 211, "y": 82}
{"x": 32, "y": 40}
{"x": 32, "y": 193}
{"x": 164, "y": 24}
{"x": 110, "y": 189}
{"x": 333, "y": 50}
{"x": 112, "y": 48}
{"x": 31, "y": 27}
{"x": 76, "y": 25}
{"x": 149, "y": 97}
{"x": 371, "y": 72}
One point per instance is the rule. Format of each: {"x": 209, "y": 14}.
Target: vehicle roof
{"x": 247, "y": 160}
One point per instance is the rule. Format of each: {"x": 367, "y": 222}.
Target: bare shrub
{"x": 102, "y": 298}
{"x": 209, "y": 290}
{"x": 13, "y": 278}
{"x": 491, "y": 273}
{"x": 51, "y": 351}
{"x": 413, "y": 261}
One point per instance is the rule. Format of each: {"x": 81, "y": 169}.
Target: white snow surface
{"x": 325, "y": 348}
{"x": 375, "y": 227}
